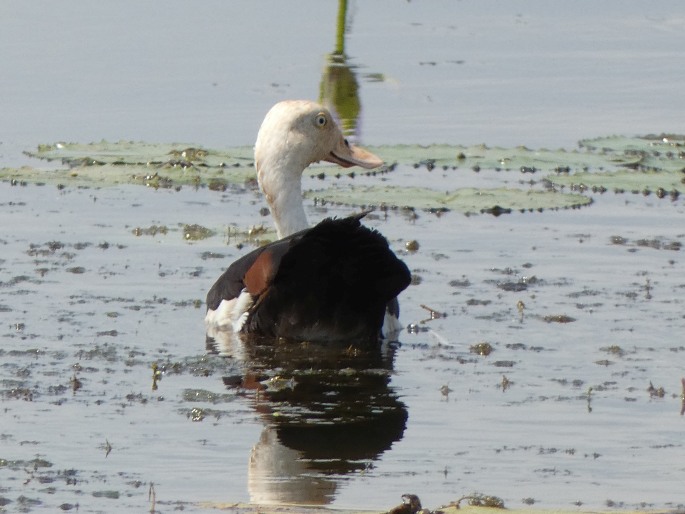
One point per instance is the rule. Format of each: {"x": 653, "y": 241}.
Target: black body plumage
{"x": 331, "y": 282}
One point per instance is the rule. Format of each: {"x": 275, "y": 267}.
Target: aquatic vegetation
{"x": 152, "y": 230}
{"x": 656, "y": 392}
{"x": 558, "y": 318}
{"x": 544, "y": 179}
{"x": 204, "y": 396}
{"x": 195, "y": 232}
{"x": 481, "y": 348}
{"x": 480, "y": 500}
{"x": 115, "y": 355}
{"x": 468, "y": 200}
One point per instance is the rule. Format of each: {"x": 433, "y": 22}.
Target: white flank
{"x": 391, "y": 327}
{"x": 231, "y": 314}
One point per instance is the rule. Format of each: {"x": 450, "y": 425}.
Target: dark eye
{"x": 347, "y": 143}
{"x": 321, "y": 120}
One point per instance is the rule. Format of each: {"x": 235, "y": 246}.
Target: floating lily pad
{"x": 467, "y": 200}
{"x": 623, "y": 181}
{"x": 157, "y": 176}
{"x": 146, "y": 154}
{"x": 650, "y": 144}
{"x": 659, "y": 169}
{"x": 646, "y": 164}
{"x": 507, "y": 159}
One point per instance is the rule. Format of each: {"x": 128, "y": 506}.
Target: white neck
{"x": 281, "y": 183}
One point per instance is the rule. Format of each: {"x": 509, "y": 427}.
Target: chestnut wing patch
{"x": 259, "y": 265}
{"x": 262, "y": 272}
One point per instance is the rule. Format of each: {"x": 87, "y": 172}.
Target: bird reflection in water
{"x": 328, "y": 411}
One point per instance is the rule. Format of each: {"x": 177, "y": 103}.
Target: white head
{"x": 293, "y": 135}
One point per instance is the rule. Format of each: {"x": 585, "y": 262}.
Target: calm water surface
{"x": 85, "y": 298}
{"x": 87, "y": 305}
{"x": 525, "y": 72}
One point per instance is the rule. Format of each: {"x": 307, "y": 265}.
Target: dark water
{"x": 560, "y": 412}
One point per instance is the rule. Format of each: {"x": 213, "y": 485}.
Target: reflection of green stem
{"x": 339, "y": 88}
{"x": 340, "y": 34}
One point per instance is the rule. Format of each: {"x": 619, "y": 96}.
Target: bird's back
{"x": 333, "y": 283}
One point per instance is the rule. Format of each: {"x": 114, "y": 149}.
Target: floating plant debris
{"x": 196, "y": 232}
{"x": 558, "y": 318}
{"x": 482, "y": 348}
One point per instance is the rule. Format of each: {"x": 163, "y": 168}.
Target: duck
{"x": 335, "y": 281}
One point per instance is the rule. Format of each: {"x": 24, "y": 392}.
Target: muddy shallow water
{"x": 88, "y": 305}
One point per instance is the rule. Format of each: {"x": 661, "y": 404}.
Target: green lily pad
{"x": 158, "y": 176}
{"x": 623, "y": 181}
{"x": 466, "y": 200}
{"x": 154, "y": 165}
{"x": 506, "y": 159}
{"x": 664, "y": 152}
{"x": 144, "y": 154}
{"x": 650, "y": 144}
{"x": 660, "y": 168}
{"x": 645, "y": 164}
